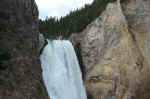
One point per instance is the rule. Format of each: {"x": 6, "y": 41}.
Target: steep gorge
{"x": 113, "y": 50}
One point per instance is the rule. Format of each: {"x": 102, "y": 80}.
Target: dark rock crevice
{"x": 78, "y": 51}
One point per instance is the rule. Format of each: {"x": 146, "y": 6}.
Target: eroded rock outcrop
{"x": 20, "y": 71}
{"x": 115, "y": 52}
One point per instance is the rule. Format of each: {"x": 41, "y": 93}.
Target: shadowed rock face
{"x": 115, "y": 52}
{"x": 137, "y": 13}
{"x": 20, "y": 72}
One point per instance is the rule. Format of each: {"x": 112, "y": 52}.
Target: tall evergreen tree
{"x": 75, "y": 21}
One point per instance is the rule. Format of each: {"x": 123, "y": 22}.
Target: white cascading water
{"x": 61, "y": 71}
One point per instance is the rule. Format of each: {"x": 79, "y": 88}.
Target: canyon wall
{"x": 20, "y": 70}
{"x": 115, "y": 52}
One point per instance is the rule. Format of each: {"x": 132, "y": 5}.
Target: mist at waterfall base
{"x": 61, "y": 71}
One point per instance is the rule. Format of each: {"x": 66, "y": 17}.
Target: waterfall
{"x": 61, "y": 71}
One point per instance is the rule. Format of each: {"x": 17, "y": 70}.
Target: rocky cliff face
{"x": 115, "y": 52}
{"x": 20, "y": 71}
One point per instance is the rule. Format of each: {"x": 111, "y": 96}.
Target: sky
{"x": 58, "y": 8}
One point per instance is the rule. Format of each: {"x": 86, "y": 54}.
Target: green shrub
{"x": 4, "y": 57}
{"x": 3, "y": 27}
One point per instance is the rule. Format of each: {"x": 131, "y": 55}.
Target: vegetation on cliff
{"x": 4, "y": 57}
{"x": 75, "y": 21}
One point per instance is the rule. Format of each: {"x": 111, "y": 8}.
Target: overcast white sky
{"x": 59, "y": 7}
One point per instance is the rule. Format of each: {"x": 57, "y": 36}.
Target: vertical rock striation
{"x": 137, "y": 13}
{"x": 115, "y": 52}
{"x": 20, "y": 71}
